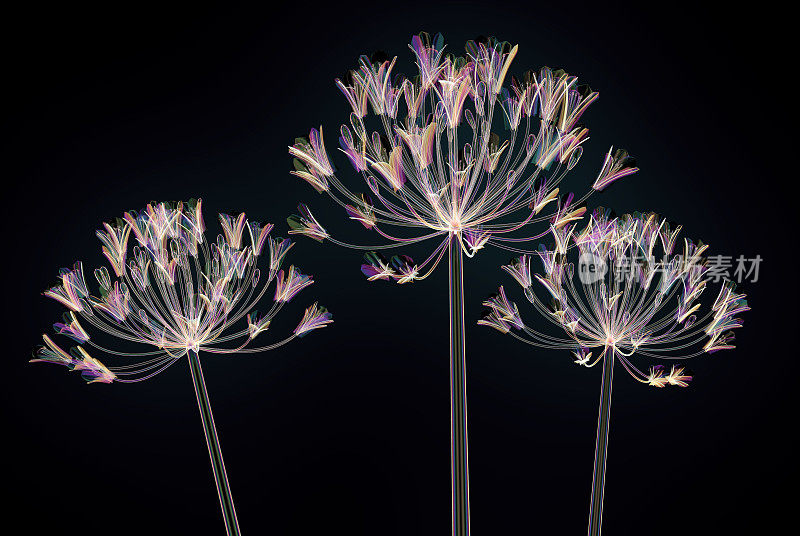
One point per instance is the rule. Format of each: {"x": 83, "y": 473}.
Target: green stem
{"x": 459, "y": 455}
{"x": 601, "y": 447}
{"x": 214, "y": 451}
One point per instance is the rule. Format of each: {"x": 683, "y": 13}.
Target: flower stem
{"x": 601, "y": 447}
{"x": 459, "y": 455}
{"x": 214, "y": 451}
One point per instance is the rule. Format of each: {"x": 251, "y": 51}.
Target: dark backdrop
{"x": 347, "y": 430}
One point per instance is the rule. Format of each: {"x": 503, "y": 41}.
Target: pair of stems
{"x": 459, "y": 451}
{"x": 459, "y": 455}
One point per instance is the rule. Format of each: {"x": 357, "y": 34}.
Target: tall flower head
{"x": 174, "y": 291}
{"x": 462, "y": 151}
{"x": 629, "y": 291}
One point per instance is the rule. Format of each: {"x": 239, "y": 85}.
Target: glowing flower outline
{"x": 179, "y": 295}
{"x": 426, "y": 183}
{"x": 629, "y": 303}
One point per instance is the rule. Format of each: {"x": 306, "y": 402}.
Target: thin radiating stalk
{"x": 601, "y": 447}
{"x": 459, "y": 454}
{"x": 214, "y": 451}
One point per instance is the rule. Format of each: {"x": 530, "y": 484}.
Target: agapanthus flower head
{"x": 172, "y": 290}
{"x": 626, "y": 291}
{"x": 438, "y": 165}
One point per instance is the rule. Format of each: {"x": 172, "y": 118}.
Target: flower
{"x": 475, "y": 239}
{"x": 376, "y": 267}
{"x": 493, "y": 320}
{"x": 392, "y": 169}
{"x": 278, "y": 248}
{"x": 677, "y": 377}
{"x": 504, "y": 309}
{"x": 315, "y": 317}
{"x": 356, "y": 95}
{"x": 520, "y": 270}
{"x": 311, "y": 152}
{"x": 91, "y": 369}
{"x": 582, "y": 357}
{"x": 306, "y": 224}
{"x": 614, "y": 168}
{"x": 288, "y": 287}
{"x": 656, "y": 377}
{"x": 363, "y": 212}
{"x": 355, "y": 150}
{"x": 72, "y": 290}
{"x": 116, "y": 301}
{"x": 720, "y": 330}
{"x": 71, "y": 328}
{"x": 405, "y": 268}
{"x": 437, "y": 170}
{"x": 256, "y": 324}
{"x": 233, "y": 229}
{"x": 492, "y": 60}
{"x": 115, "y": 244}
{"x": 258, "y": 235}
{"x": 428, "y": 52}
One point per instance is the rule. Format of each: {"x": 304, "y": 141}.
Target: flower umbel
{"x": 437, "y": 167}
{"x": 628, "y": 300}
{"x": 173, "y": 291}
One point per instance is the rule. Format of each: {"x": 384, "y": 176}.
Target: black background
{"x": 347, "y": 430}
